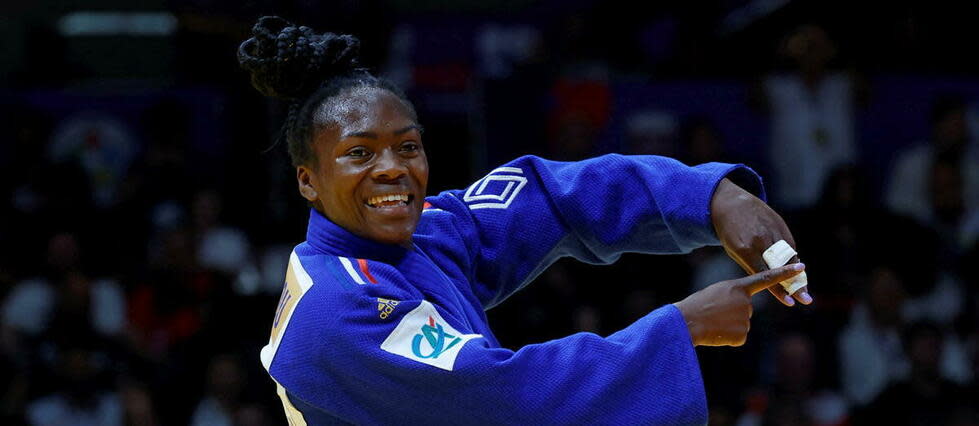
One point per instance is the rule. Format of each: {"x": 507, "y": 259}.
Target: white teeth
{"x": 390, "y": 197}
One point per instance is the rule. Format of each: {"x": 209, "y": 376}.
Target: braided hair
{"x": 305, "y": 69}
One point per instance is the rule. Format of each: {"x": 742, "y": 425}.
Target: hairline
{"x": 316, "y": 111}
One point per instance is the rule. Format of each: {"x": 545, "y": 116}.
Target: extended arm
{"x": 522, "y": 217}
{"x": 409, "y": 370}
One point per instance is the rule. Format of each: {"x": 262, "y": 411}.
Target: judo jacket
{"x": 369, "y": 333}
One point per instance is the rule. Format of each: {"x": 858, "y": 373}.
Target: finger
{"x": 803, "y": 296}
{"x": 754, "y": 283}
{"x": 779, "y": 291}
{"x": 782, "y": 295}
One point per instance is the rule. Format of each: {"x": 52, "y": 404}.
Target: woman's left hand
{"x": 747, "y": 227}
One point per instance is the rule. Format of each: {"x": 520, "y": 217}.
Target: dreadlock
{"x": 305, "y": 69}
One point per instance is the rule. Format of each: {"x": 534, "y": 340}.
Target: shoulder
{"x": 327, "y": 305}
{"x": 335, "y": 282}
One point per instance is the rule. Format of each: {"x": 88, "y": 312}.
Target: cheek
{"x": 331, "y": 188}
{"x": 344, "y": 190}
{"x": 421, "y": 171}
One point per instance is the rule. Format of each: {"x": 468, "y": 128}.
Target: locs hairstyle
{"x": 305, "y": 69}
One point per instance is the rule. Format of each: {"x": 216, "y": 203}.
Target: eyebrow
{"x": 372, "y": 135}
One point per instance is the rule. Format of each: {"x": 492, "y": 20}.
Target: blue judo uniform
{"x": 370, "y": 333}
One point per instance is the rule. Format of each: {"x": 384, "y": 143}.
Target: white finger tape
{"x": 779, "y": 254}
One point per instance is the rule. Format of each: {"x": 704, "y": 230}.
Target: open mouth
{"x": 390, "y": 200}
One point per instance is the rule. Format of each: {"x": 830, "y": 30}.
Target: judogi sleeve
{"x": 423, "y": 365}
{"x": 522, "y": 217}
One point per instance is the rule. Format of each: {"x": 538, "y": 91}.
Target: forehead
{"x": 362, "y": 109}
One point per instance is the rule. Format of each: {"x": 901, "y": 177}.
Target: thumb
{"x": 754, "y": 283}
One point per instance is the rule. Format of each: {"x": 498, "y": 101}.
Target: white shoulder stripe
{"x": 305, "y": 282}
{"x": 293, "y": 292}
{"x": 350, "y": 270}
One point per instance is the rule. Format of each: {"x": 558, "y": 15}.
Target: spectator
{"x": 224, "y": 387}
{"x": 580, "y": 112}
{"x": 870, "y": 344}
{"x": 794, "y": 394}
{"x": 944, "y": 301}
{"x": 66, "y": 298}
{"x": 168, "y": 308}
{"x": 871, "y": 355}
{"x": 949, "y": 158}
{"x": 79, "y": 399}
{"x": 925, "y": 397}
{"x": 137, "y": 404}
{"x": 220, "y": 246}
{"x": 701, "y": 142}
{"x": 650, "y": 132}
{"x": 811, "y": 109}
{"x": 841, "y": 236}
{"x": 955, "y": 220}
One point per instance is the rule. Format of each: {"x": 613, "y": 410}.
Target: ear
{"x": 304, "y": 176}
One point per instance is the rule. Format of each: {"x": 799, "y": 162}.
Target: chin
{"x": 394, "y": 236}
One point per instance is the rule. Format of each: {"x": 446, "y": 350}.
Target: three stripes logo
{"x": 385, "y": 307}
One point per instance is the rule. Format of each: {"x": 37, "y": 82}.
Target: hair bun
{"x": 290, "y": 62}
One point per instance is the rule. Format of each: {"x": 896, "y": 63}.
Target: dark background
{"x": 146, "y": 215}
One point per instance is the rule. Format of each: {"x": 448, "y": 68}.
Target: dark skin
{"x": 367, "y": 145}
{"x": 720, "y": 315}
{"x": 747, "y": 227}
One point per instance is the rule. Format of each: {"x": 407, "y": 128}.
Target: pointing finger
{"x": 754, "y": 283}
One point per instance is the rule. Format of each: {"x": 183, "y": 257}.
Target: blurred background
{"x": 146, "y": 217}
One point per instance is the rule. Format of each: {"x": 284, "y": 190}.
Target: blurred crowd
{"x": 141, "y": 261}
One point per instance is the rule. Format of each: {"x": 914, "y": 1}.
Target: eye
{"x": 410, "y": 147}
{"x": 358, "y": 152}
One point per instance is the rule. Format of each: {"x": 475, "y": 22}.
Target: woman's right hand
{"x": 720, "y": 314}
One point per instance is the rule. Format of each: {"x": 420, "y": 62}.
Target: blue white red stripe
{"x": 367, "y": 272}
{"x": 350, "y": 270}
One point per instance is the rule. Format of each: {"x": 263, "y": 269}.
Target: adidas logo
{"x": 385, "y": 307}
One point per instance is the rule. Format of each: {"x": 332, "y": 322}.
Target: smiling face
{"x": 369, "y": 172}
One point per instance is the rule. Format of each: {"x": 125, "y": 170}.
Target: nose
{"x": 389, "y": 167}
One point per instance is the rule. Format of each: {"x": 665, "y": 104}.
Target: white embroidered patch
{"x": 497, "y": 190}
{"x": 423, "y": 336}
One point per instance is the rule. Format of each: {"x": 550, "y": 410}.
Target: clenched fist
{"x": 720, "y": 315}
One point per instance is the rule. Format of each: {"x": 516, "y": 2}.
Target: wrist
{"x": 693, "y": 327}
{"x": 718, "y": 202}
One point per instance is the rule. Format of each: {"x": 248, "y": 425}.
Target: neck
{"x": 328, "y": 237}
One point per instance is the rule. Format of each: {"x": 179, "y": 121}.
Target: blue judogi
{"x": 370, "y": 333}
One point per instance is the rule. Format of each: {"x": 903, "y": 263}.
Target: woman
{"x": 382, "y": 316}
